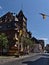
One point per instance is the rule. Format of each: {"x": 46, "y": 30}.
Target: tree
{"x": 27, "y": 41}
{"x": 3, "y": 41}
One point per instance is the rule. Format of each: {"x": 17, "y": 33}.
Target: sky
{"x": 31, "y": 9}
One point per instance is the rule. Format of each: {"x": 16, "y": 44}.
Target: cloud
{"x": 44, "y": 39}
{"x": 0, "y": 7}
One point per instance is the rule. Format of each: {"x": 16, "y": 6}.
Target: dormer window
{"x": 6, "y": 16}
{"x": 5, "y": 20}
{"x": 24, "y": 19}
{"x": 16, "y": 19}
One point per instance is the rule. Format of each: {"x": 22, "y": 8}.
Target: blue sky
{"x": 31, "y": 9}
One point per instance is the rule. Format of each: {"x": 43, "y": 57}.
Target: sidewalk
{"x": 25, "y": 56}
{"x": 20, "y": 57}
{"x": 4, "y": 59}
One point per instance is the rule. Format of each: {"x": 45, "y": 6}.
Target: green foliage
{"x": 3, "y": 40}
{"x": 27, "y": 41}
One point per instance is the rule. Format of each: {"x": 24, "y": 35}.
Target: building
{"x": 42, "y": 43}
{"x": 47, "y": 48}
{"x": 37, "y": 48}
{"x": 15, "y": 28}
{"x": 38, "y": 45}
{"x": 29, "y": 34}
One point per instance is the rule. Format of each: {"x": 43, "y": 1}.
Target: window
{"x": 24, "y": 19}
{"x": 0, "y": 26}
{"x": 15, "y": 24}
{"x": 16, "y": 19}
{"x": 1, "y": 21}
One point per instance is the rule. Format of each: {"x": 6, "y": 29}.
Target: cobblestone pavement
{"x": 40, "y": 59}
{"x": 12, "y": 58}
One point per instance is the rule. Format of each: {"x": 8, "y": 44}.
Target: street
{"x": 33, "y": 60}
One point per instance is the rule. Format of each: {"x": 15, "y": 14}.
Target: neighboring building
{"x": 47, "y": 48}
{"x": 37, "y": 48}
{"x": 42, "y": 43}
{"x": 34, "y": 40}
{"x": 38, "y": 45}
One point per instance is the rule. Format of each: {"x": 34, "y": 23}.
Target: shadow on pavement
{"x": 41, "y": 61}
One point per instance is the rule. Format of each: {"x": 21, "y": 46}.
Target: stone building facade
{"x": 15, "y": 28}
{"x": 38, "y": 45}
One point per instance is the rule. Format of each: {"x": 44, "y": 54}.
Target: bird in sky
{"x": 44, "y": 15}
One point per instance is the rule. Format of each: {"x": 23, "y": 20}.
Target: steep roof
{"x": 21, "y": 14}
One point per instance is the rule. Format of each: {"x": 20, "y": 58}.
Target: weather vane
{"x": 44, "y": 15}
